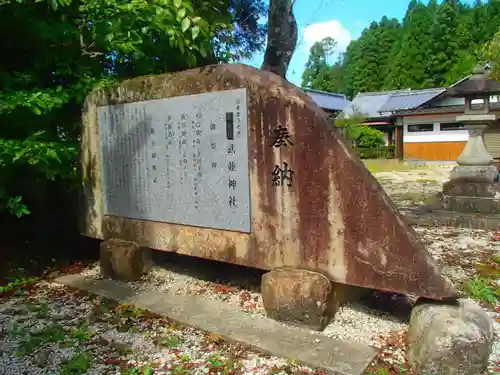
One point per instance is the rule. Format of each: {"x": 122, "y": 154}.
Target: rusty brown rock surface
{"x": 124, "y": 260}
{"x": 299, "y": 297}
{"x": 335, "y": 219}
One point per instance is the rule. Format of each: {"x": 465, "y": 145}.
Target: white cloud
{"x": 318, "y": 31}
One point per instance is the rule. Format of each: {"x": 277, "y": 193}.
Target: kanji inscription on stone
{"x": 181, "y": 160}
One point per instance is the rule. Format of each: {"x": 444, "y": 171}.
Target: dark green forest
{"x": 436, "y": 44}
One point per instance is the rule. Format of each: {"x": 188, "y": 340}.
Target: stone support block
{"x": 449, "y": 339}
{"x": 124, "y": 260}
{"x": 301, "y": 298}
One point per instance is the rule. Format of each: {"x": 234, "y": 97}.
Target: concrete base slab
{"x": 335, "y": 357}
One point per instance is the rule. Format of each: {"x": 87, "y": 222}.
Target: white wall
{"x": 437, "y": 135}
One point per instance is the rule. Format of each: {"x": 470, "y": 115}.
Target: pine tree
{"x": 479, "y": 25}
{"x": 351, "y": 57}
{"x": 367, "y": 67}
{"x": 444, "y": 50}
{"x": 492, "y": 23}
{"x": 389, "y": 34}
{"x": 410, "y": 64}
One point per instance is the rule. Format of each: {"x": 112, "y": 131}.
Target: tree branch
{"x": 282, "y": 37}
{"x": 84, "y": 48}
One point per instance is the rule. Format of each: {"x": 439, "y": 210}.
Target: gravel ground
{"x": 379, "y": 321}
{"x": 54, "y": 330}
{"x": 413, "y": 188}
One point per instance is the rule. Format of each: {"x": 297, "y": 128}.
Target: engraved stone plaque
{"x": 181, "y": 160}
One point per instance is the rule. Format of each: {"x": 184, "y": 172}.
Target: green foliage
{"x": 445, "y": 44}
{"x": 379, "y": 152}
{"x": 42, "y": 160}
{"x": 78, "y": 364}
{"x": 366, "y": 136}
{"x": 496, "y": 259}
{"x": 132, "y": 370}
{"x": 31, "y": 341}
{"x": 390, "y": 371}
{"x": 56, "y": 55}
{"x": 409, "y": 67}
{"x": 375, "y": 47}
{"x": 169, "y": 342}
{"x": 482, "y": 290}
{"x": 437, "y": 44}
{"x": 318, "y": 73}
{"x": 17, "y": 282}
{"x": 57, "y": 51}
{"x": 491, "y": 53}
{"x": 360, "y": 135}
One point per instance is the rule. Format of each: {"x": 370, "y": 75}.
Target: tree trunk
{"x": 281, "y": 37}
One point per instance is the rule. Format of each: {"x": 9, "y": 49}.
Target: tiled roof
{"x": 328, "y": 100}
{"x": 367, "y": 103}
{"x": 380, "y": 104}
{"x": 411, "y": 99}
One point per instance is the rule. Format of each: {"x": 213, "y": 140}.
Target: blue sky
{"x": 343, "y": 20}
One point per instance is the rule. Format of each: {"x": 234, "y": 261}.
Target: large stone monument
{"x": 474, "y": 186}
{"x": 237, "y": 165}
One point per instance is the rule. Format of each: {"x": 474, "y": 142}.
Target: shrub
{"x": 360, "y": 135}
{"x": 386, "y": 152}
{"x": 26, "y": 166}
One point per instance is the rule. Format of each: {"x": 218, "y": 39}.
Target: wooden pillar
{"x": 398, "y": 142}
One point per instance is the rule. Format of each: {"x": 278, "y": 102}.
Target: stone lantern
{"x": 474, "y": 186}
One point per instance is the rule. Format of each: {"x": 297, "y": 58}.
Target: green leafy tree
{"x": 491, "y": 54}
{"x": 389, "y": 36}
{"x": 349, "y": 68}
{"x": 367, "y": 67}
{"x": 318, "y": 74}
{"x": 56, "y": 51}
{"x": 479, "y": 32}
{"x": 492, "y": 18}
{"x": 466, "y": 61}
{"x": 445, "y": 45}
{"x": 410, "y": 60}
{"x": 367, "y": 60}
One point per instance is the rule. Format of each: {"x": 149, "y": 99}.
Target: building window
{"x": 420, "y": 128}
{"x": 452, "y": 126}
